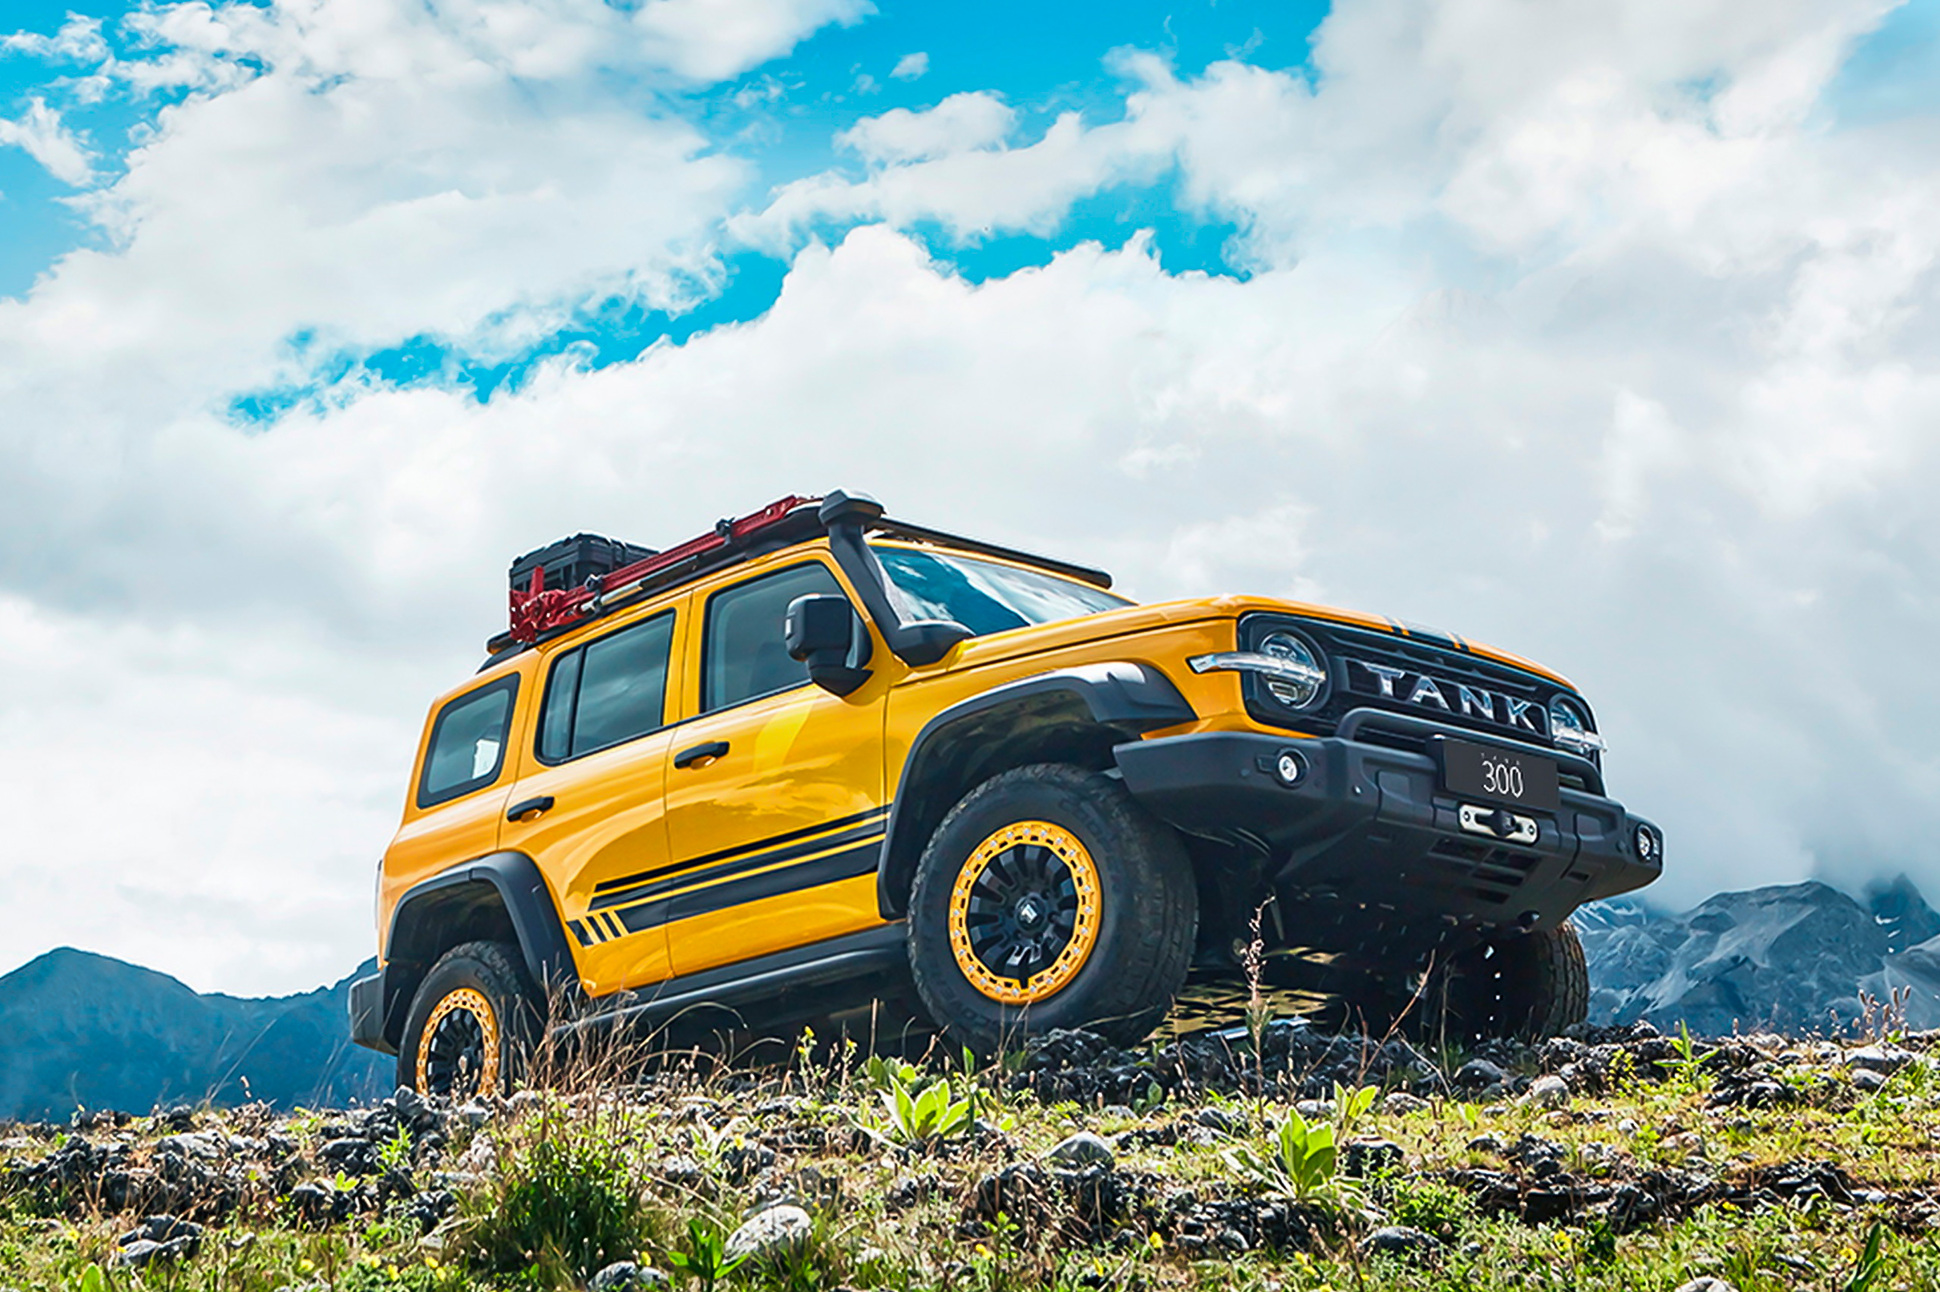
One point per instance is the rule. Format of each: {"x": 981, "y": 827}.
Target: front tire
{"x": 471, "y": 1024}
{"x": 1529, "y": 987}
{"x": 1049, "y": 898}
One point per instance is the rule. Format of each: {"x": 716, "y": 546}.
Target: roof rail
{"x": 538, "y": 612}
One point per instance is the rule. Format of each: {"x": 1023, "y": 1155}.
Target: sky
{"x": 1607, "y": 331}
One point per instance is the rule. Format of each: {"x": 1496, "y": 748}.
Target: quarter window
{"x": 607, "y": 692}
{"x": 745, "y": 654}
{"x": 467, "y": 743}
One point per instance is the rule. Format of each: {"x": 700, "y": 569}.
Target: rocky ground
{"x": 1290, "y": 1160}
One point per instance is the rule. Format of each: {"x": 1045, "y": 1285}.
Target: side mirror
{"x": 822, "y": 631}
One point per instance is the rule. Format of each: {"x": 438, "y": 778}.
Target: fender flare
{"x": 514, "y": 881}
{"x": 1124, "y": 698}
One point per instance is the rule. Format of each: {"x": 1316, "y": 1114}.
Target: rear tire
{"x": 1529, "y": 987}
{"x": 1049, "y": 898}
{"x": 472, "y": 1023}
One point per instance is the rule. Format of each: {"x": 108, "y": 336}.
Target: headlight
{"x": 1569, "y": 726}
{"x": 1287, "y": 666}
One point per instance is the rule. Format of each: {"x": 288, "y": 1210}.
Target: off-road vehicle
{"x": 819, "y": 757}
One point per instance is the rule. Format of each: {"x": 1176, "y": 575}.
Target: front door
{"x": 775, "y": 809}
{"x": 594, "y": 777}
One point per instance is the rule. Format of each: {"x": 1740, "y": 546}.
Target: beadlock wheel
{"x": 461, "y": 1046}
{"x": 1048, "y": 897}
{"x": 472, "y": 1021}
{"x": 1024, "y": 912}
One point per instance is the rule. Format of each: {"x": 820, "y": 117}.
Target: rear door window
{"x": 607, "y": 692}
{"x": 467, "y": 748}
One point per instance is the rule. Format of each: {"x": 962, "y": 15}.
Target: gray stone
{"x": 1706, "y": 1284}
{"x": 199, "y": 1144}
{"x": 1479, "y": 1074}
{"x": 1315, "y": 1110}
{"x": 1867, "y": 1079}
{"x": 1365, "y": 1157}
{"x": 1401, "y": 1103}
{"x": 1081, "y": 1150}
{"x": 1547, "y": 1092}
{"x": 474, "y": 1114}
{"x": 1223, "y": 1120}
{"x": 771, "y": 1234}
{"x": 1401, "y": 1241}
{"x": 1878, "y": 1058}
{"x": 627, "y": 1276}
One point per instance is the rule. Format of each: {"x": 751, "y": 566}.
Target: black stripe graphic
{"x": 807, "y": 874}
{"x": 579, "y": 931}
{"x": 627, "y": 881}
{"x": 668, "y": 882}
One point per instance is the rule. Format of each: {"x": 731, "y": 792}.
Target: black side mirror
{"x": 822, "y": 631}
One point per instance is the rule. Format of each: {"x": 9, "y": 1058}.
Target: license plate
{"x": 1499, "y": 776}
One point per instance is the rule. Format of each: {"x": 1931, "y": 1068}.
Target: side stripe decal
{"x": 670, "y": 881}
{"x": 873, "y": 815}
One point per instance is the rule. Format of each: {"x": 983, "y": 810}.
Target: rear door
{"x": 775, "y": 808}
{"x": 594, "y": 776}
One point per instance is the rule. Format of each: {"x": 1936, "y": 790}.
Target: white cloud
{"x": 43, "y": 137}
{"x": 1579, "y": 330}
{"x": 910, "y": 67}
{"x": 960, "y": 123}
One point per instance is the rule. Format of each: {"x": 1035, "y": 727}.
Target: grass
{"x": 906, "y": 1191}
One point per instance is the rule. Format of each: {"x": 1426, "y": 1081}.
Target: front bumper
{"x": 1367, "y": 852}
{"x": 367, "y": 1013}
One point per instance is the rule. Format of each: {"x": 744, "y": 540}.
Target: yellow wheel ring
{"x": 1076, "y": 951}
{"x": 471, "y": 1001}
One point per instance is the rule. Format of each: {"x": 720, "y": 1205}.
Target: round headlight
{"x": 1569, "y": 726}
{"x": 1302, "y": 677}
{"x": 1650, "y": 849}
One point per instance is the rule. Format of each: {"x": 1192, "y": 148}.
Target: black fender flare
{"x": 512, "y": 881}
{"x": 1123, "y": 699}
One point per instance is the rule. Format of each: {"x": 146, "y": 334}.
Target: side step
{"x": 853, "y": 955}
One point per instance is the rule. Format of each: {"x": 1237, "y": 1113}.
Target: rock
{"x": 771, "y": 1234}
{"x": 1365, "y": 1157}
{"x": 1878, "y": 1058}
{"x": 474, "y": 1114}
{"x": 1479, "y": 1074}
{"x": 1401, "y": 1103}
{"x": 1706, "y": 1284}
{"x": 157, "y": 1239}
{"x": 1867, "y": 1079}
{"x": 626, "y": 1276}
{"x": 1081, "y": 1150}
{"x": 1315, "y": 1110}
{"x": 351, "y": 1155}
{"x": 1223, "y": 1120}
{"x": 204, "y": 1145}
{"x": 1547, "y": 1092}
{"x": 1402, "y": 1242}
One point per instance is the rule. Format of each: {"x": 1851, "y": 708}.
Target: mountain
{"x": 1789, "y": 958}
{"x": 87, "y": 1031}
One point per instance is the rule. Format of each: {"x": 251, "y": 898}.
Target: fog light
{"x": 1289, "y": 768}
{"x": 1649, "y": 847}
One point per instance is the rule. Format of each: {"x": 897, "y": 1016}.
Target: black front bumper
{"x": 1366, "y": 851}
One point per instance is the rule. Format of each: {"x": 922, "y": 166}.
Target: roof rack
{"x": 538, "y": 612}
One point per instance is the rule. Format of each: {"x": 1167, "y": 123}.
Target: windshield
{"x": 983, "y": 596}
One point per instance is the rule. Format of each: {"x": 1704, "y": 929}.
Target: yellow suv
{"x": 819, "y": 758}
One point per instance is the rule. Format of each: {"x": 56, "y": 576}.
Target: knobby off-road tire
{"x": 1050, "y": 898}
{"x": 472, "y": 1023}
{"x": 1527, "y": 987}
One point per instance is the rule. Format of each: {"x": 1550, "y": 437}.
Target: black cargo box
{"x": 570, "y": 562}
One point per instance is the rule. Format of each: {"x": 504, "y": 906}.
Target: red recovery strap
{"x": 537, "y": 610}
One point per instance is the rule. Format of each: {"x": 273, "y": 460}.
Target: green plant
{"x": 1687, "y": 1068}
{"x": 1301, "y": 1162}
{"x": 1871, "y": 1269}
{"x": 706, "y": 1260}
{"x": 92, "y": 1280}
{"x": 1427, "y": 1203}
{"x": 1352, "y": 1105}
{"x": 395, "y": 1153}
{"x": 564, "y": 1203}
{"x": 925, "y": 1115}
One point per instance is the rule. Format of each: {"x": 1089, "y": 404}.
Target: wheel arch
{"x": 497, "y": 898}
{"x": 1071, "y": 715}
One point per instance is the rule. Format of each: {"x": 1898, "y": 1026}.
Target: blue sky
{"x": 1607, "y": 330}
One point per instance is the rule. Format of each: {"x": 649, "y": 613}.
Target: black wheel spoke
{"x": 1023, "y": 910}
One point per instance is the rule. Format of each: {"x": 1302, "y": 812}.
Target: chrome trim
{"x": 1247, "y": 661}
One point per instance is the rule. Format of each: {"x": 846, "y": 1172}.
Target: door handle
{"x": 700, "y": 753}
{"x": 532, "y": 806}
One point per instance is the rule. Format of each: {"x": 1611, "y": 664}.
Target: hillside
{"x": 1302, "y": 1162}
{"x": 87, "y": 1031}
